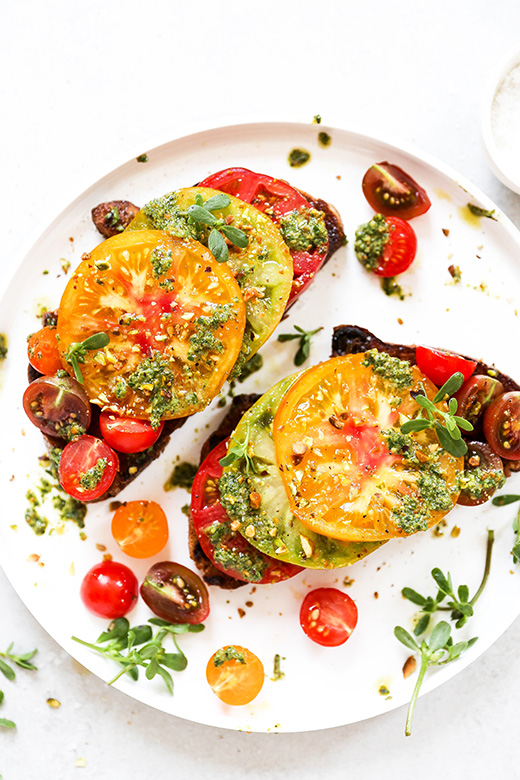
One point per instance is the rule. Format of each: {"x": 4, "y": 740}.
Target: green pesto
{"x": 204, "y": 340}
{"x": 324, "y": 139}
{"x": 166, "y": 215}
{"x": 476, "y": 482}
{"x": 304, "y": 229}
{"x": 161, "y": 261}
{"x": 253, "y": 365}
{"x": 3, "y": 346}
{"x": 433, "y": 490}
{"x": 70, "y": 509}
{"x": 120, "y": 389}
{"x": 277, "y": 670}
{"x": 143, "y": 158}
{"x": 35, "y": 521}
{"x": 371, "y": 239}
{"x": 399, "y": 443}
{"x": 234, "y": 496}
{"x": 93, "y": 476}
{"x": 70, "y": 431}
{"x": 298, "y": 157}
{"x": 411, "y": 516}
{"x": 250, "y": 564}
{"x": 478, "y": 211}
{"x": 228, "y": 653}
{"x": 113, "y": 220}
{"x": 182, "y": 476}
{"x": 391, "y": 287}
{"x": 398, "y": 372}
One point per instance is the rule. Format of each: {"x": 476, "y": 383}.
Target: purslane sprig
{"x": 22, "y": 660}
{"x": 304, "y": 337}
{"x": 447, "y": 425}
{"x": 459, "y": 604}
{"x": 504, "y": 500}
{"x": 201, "y": 214}
{"x": 77, "y": 351}
{"x": 240, "y": 450}
{"x": 140, "y": 646}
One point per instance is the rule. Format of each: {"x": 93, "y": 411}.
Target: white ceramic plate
{"x": 323, "y": 687}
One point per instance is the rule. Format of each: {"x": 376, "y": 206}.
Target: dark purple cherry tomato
{"x": 58, "y": 406}
{"x": 483, "y": 474}
{"x": 109, "y": 589}
{"x": 475, "y": 395}
{"x": 175, "y": 593}
{"x": 392, "y": 192}
{"x": 502, "y": 425}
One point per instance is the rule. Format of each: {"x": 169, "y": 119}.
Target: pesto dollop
{"x": 391, "y": 287}
{"x": 52, "y": 493}
{"x": 396, "y": 371}
{"x": 182, "y": 476}
{"x": 229, "y": 653}
{"x": 370, "y": 242}
{"x": 298, "y": 157}
{"x": 476, "y": 482}
{"x": 93, "y": 476}
{"x": 204, "y": 340}
{"x": 304, "y": 229}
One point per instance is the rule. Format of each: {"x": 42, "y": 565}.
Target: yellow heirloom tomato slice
{"x": 349, "y": 471}
{"x": 174, "y": 316}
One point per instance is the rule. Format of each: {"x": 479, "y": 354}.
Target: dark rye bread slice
{"x": 352, "y": 339}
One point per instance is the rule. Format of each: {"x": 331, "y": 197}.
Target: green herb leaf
{"x": 216, "y": 202}
{"x": 6, "y": 670}
{"x": 478, "y": 211}
{"x": 304, "y": 337}
{"x": 405, "y": 638}
{"x": 450, "y": 387}
{"x": 440, "y": 635}
{"x": 236, "y": 236}
{"x": 413, "y": 596}
{"x": 202, "y": 215}
{"x": 77, "y": 351}
{"x": 116, "y": 630}
{"x": 422, "y": 625}
{"x": 415, "y": 425}
{"x": 7, "y": 724}
{"x": 505, "y": 499}
{"x": 218, "y": 247}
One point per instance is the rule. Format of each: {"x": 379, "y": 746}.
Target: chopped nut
{"x": 255, "y": 500}
{"x": 409, "y": 667}
{"x": 54, "y": 703}
{"x": 455, "y": 531}
{"x": 335, "y": 422}
{"x": 250, "y": 531}
{"x": 101, "y": 547}
{"x": 241, "y": 612}
{"x": 307, "y": 547}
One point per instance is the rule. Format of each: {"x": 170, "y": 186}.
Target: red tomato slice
{"x": 392, "y": 191}
{"x": 109, "y": 589}
{"x": 400, "y": 250}
{"x": 328, "y": 616}
{"x": 275, "y": 197}
{"x": 43, "y": 352}
{"x": 127, "y": 434}
{"x": 88, "y": 467}
{"x": 439, "y": 365}
{"x": 228, "y": 550}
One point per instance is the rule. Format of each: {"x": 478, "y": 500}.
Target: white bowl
{"x": 497, "y": 159}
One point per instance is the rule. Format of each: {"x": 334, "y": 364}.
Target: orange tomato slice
{"x": 235, "y": 674}
{"x": 175, "y": 319}
{"x": 140, "y": 528}
{"x": 348, "y": 471}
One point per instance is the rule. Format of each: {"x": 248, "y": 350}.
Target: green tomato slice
{"x": 263, "y": 270}
{"x": 272, "y": 528}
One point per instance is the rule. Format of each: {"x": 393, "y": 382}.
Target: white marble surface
{"x": 84, "y": 83}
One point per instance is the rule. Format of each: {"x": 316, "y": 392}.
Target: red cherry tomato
{"x": 400, "y": 250}
{"x": 328, "y": 616}
{"x": 227, "y": 549}
{"x": 275, "y": 197}
{"x": 88, "y": 467}
{"x": 502, "y": 425}
{"x": 109, "y": 589}
{"x": 439, "y": 365}
{"x": 43, "y": 353}
{"x": 393, "y": 192}
{"x": 128, "y": 434}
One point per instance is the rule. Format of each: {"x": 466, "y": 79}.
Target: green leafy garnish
{"x": 460, "y": 605}
{"x": 200, "y": 214}
{"x": 240, "y": 451}
{"x": 478, "y": 211}
{"x": 447, "y": 425}
{"x": 504, "y": 500}
{"x": 304, "y": 337}
{"x": 140, "y": 646}
{"x": 77, "y": 351}
{"x": 23, "y": 660}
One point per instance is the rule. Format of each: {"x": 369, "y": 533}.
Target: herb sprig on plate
{"x": 304, "y": 337}
{"x": 77, "y": 351}
{"x": 240, "y": 450}
{"x": 201, "y": 214}
{"x": 447, "y": 425}
{"x": 504, "y": 500}
{"x": 7, "y": 659}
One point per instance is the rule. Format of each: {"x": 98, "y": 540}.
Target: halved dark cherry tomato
{"x": 128, "y": 434}
{"x": 328, "y": 616}
{"x": 392, "y": 192}
{"x": 439, "y": 365}
{"x": 228, "y": 550}
{"x": 43, "y": 352}
{"x": 483, "y": 474}
{"x": 140, "y": 528}
{"x": 175, "y": 593}
{"x": 88, "y": 467}
{"x": 235, "y": 675}
{"x": 475, "y": 395}
{"x": 502, "y": 425}
{"x": 275, "y": 197}
{"x": 58, "y": 406}
{"x": 109, "y": 589}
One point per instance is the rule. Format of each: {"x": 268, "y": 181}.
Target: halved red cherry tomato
{"x": 175, "y": 593}
{"x": 398, "y": 251}
{"x": 43, "y": 352}
{"x": 275, "y": 197}
{"x": 439, "y": 365}
{"x": 328, "y": 616}
{"x": 475, "y": 395}
{"x": 109, "y": 589}
{"x": 393, "y": 192}
{"x": 502, "y": 425}
{"x": 58, "y": 406}
{"x": 128, "y": 434}
{"x": 483, "y": 474}
{"x": 140, "y": 528}
{"x": 88, "y": 467}
{"x": 228, "y": 550}
{"x": 235, "y": 675}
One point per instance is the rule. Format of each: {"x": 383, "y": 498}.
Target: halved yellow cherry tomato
{"x": 349, "y": 473}
{"x": 140, "y": 528}
{"x": 175, "y": 319}
{"x": 235, "y": 675}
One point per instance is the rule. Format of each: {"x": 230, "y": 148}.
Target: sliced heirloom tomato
{"x": 263, "y": 270}
{"x": 348, "y": 470}
{"x": 393, "y": 192}
{"x": 439, "y": 365}
{"x": 328, "y": 616}
{"x": 175, "y": 593}
{"x": 127, "y": 434}
{"x": 175, "y": 319}
{"x": 43, "y": 352}
{"x": 226, "y": 548}
{"x": 277, "y": 199}
{"x": 270, "y": 525}
{"x": 140, "y": 528}
{"x": 502, "y": 425}
{"x": 386, "y": 245}
{"x": 483, "y": 474}
{"x": 235, "y": 675}
{"x": 87, "y": 468}
{"x": 58, "y": 406}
